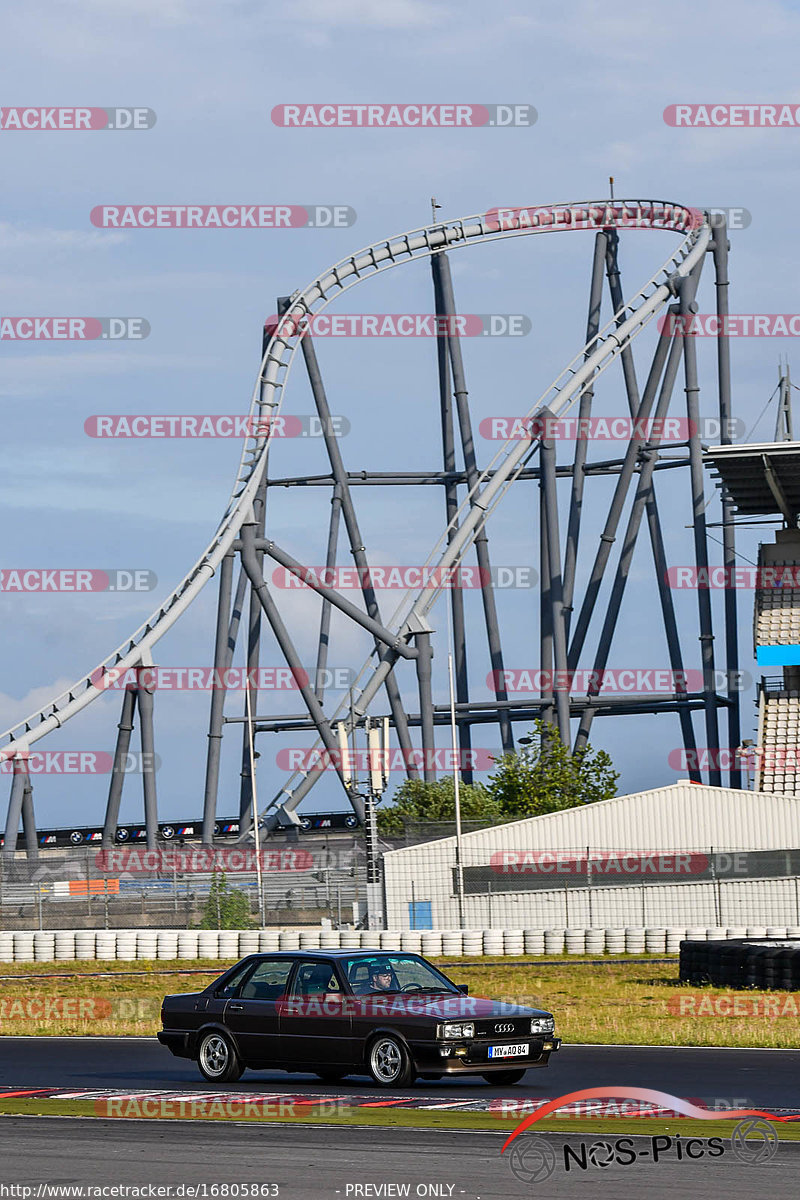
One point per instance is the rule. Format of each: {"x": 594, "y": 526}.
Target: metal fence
{"x": 179, "y": 886}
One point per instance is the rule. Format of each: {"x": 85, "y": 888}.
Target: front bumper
{"x": 474, "y": 1057}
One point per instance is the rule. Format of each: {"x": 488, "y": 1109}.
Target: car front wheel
{"x": 217, "y": 1059}
{"x": 389, "y": 1062}
{"x": 502, "y": 1078}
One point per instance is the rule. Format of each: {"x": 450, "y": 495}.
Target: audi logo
{"x": 504, "y": 1028}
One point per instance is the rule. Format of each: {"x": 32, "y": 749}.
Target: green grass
{"x": 608, "y": 1003}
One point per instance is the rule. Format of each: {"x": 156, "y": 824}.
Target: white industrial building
{"x": 680, "y": 855}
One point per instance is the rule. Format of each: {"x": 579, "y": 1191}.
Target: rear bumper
{"x": 177, "y": 1041}
{"x": 427, "y": 1058}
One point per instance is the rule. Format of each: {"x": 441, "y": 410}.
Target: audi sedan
{"x": 338, "y": 1012}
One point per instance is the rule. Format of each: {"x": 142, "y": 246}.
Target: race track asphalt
{"x": 315, "y": 1163}
{"x": 744, "y": 1078}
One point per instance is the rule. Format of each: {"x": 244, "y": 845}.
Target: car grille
{"x": 503, "y": 1027}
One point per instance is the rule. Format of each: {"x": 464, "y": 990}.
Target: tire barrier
{"x": 768, "y": 964}
{"x": 703, "y": 951}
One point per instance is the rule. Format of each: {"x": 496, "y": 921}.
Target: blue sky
{"x": 599, "y": 79}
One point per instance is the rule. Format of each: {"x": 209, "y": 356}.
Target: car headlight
{"x": 456, "y": 1031}
{"x": 543, "y": 1025}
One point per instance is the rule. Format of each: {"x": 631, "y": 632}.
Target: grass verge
{"x": 636, "y": 1001}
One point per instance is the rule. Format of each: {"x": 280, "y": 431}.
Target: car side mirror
{"x": 463, "y": 988}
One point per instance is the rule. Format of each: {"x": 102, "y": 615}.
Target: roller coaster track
{"x": 270, "y": 386}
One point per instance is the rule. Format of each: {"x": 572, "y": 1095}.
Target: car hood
{"x": 450, "y": 1007}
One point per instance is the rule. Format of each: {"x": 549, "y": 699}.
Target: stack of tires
{"x": 126, "y": 944}
{"x": 65, "y": 944}
{"x": 105, "y": 947}
{"x": 188, "y": 943}
{"x": 533, "y": 940}
{"x": 595, "y": 941}
{"x": 473, "y": 943}
{"x": 693, "y": 962}
{"x": 44, "y": 947}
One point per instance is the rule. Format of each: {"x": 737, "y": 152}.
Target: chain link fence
{"x": 180, "y": 886}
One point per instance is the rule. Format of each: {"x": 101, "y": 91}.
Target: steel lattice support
{"x": 573, "y": 623}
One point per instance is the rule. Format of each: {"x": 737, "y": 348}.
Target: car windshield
{"x": 393, "y": 973}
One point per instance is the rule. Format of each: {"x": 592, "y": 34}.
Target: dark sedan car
{"x": 337, "y": 1013}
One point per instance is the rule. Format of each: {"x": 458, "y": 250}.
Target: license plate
{"x": 509, "y": 1051}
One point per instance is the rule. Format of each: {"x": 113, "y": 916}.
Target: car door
{"x": 251, "y": 1013}
{"x": 315, "y": 1022}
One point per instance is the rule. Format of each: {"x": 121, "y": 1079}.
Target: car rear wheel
{"x": 501, "y": 1078}
{"x": 217, "y": 1059}
{"x": 389, "y": 1062}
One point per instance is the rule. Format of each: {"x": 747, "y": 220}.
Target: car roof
{"x": 313, "y": 952}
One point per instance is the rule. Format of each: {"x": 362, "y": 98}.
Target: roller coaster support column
{"x": 221, "y": 662}
{"x": 643, "y": 492}
{"x": 124, "y": 730}
{"x": 424, "y": 660}
{"x": 14, "y": 808}
{"x": 692, "y": 389}
{"x": 325, "y": 617}
{"x": 440, "y": 265}
{"x": 254, "y": 628}
{"x": 258, "y": 584}
{"x": 547, "y": 458}
{"x": 451, "y": 508}
{"x": 357, "y": 549}
{"x": 545, "y": 614}
{"x": 29, "y": 820}
{"x": 720, "y": 252}
{"x": 582, "y": 443}
{"x": 144, "y": 700}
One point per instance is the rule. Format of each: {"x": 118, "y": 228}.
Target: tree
{"x": 226, "y": 908}
{"x": 416, "y": 801}
{"x": 545, "y": 777}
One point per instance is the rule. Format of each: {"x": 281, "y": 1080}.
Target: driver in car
{"x": 381, "y": 978}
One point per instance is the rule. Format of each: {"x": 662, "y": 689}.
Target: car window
{"x": 394, "y": 973}
{"x": 233, "y": 982}
{"x": 268, "y": 981}
{"x": 315, "y": 979}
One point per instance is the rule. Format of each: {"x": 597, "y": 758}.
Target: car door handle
{"x": 236, "y": 1007}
